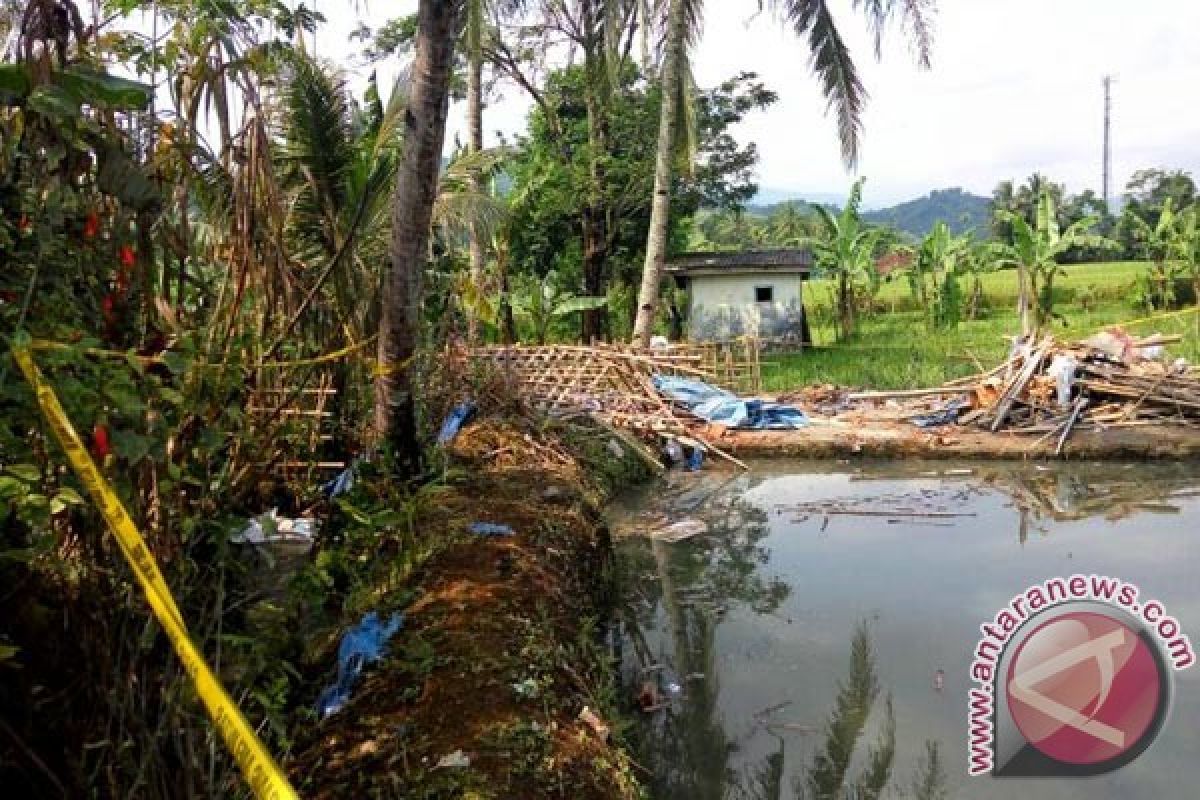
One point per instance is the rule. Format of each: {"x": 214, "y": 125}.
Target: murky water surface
{"x": 816, "y": 590}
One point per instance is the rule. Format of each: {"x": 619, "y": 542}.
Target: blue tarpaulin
{"x": 360, "y": 646}
{"x": 459, "y": 416}
{"x": 717, "y": 405}
{"x": 490, "y": 529}
{"x": 946, "y": 415}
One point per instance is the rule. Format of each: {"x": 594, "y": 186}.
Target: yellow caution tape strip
{"x": 1152, "y": 318}
{"x": 336, "y": 355}
{"x": 265, "y": 777}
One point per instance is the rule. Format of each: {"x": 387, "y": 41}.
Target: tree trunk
{"x": 1023, "y": 306}
{"x": 595, "y": 258}
{"x": 594, "y": 218}
{"x": 660, "y": 209}
{"x": 845, "y": 302}
{"x": 438, "y": 25}
{"x": 475, "y": 146}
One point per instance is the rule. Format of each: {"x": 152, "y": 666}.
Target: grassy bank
{"x": 500, "y": 650}
{"x": 895, "y": 349}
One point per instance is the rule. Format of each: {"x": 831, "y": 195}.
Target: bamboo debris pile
{"x": 1051, "y": 389}
{"x": 611, "y": 384}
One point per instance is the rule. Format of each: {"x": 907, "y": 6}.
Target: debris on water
{"x": 459, "y": 416}
{"x": 673, "y": 450}
{"x": 679, "y": 530}
{"x": 361, "y": 645}
{"x": 593, "y": 721}
{"x": 456, "y": 760}
{"x": 270, "y": 528}
{"x": 673, "y": 689}
{"x": 939, "y": 680}
{"x": 790, "y": 727}
{"x": 490, "y": 529}
{"x": 695, "y": 460}
{"x": 769, "y": 710}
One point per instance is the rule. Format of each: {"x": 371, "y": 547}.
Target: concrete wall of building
{"x": 724, "y": 307}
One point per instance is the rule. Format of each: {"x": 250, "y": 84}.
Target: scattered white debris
{"x": 456, "y": 760}
{"x": 270, "y": 528}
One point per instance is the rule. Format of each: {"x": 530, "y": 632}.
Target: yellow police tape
{"x": 336, "y": 355}
{"x": 265, "y": 777}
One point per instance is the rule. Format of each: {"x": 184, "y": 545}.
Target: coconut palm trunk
{"x": 438, "y": 26}
{"x": 660, "y": 209}
{"x": 475, "y": 20}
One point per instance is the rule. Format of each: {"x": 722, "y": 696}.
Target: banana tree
{"x": 845, "y": 251}
{"x": 1186, "y": 248}
{"x": 1035, "y": 250}
{"x": 1161, "y": 244}
{"x": 540, "y": 302}
{"x": 934, "y": 275}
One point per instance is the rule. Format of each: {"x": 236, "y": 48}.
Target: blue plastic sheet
{"x": 454, "y": 421}
{"x": 946, "y": 415}
{"x": 490, "y": 529}
{"x": 361, "y": 645}
{"x": 695, "y": 460}
{"x": 341, "y": 483}
{"x": 717, "y": 405}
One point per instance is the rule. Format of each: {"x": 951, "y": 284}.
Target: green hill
{"x": 960, "y": 210}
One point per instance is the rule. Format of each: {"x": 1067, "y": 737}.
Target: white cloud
{"x": 1015, "y": 87}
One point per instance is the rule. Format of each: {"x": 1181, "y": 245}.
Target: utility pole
{"x": 1107, "y": 136}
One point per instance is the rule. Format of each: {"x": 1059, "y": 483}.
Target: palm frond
{"x": 917, "y": 20}
{"x": 318, "y": 152}
{"x": 830, "y": 60}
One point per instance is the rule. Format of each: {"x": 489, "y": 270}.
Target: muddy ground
{"x": 501, "y": 649}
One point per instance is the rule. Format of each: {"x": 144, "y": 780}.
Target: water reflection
{"x": 748, "y": 642}
{"x": 686, "y": 591}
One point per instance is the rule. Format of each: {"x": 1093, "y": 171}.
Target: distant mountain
{"x": 960, "y": 210}
{"x": 768, "y": 198}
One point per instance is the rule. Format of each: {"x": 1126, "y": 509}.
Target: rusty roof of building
{"x": 748, "y": 261}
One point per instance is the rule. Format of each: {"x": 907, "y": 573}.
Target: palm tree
{"x": 337, "y": 169}
{"x": 840, "y": 84}
{"x": 476, "y": 10}
{"x": 845, "y": 249}
{"x": 439, "y": 23}
{"x": 1035, "y": 250}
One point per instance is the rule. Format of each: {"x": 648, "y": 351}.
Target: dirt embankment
{"x": 863, "y": 435}
{"x": 500, "y": 650}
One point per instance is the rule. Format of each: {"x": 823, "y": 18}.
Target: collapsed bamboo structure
{"x": 609, "y": 383}
{"x": 1050, "y": 389}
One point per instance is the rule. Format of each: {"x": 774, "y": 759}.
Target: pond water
{"x": 812, "y": 580}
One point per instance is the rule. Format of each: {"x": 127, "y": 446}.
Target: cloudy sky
{"x": 1015, "y": 87}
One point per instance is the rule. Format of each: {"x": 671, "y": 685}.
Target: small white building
{"x": 756, "y": 293}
